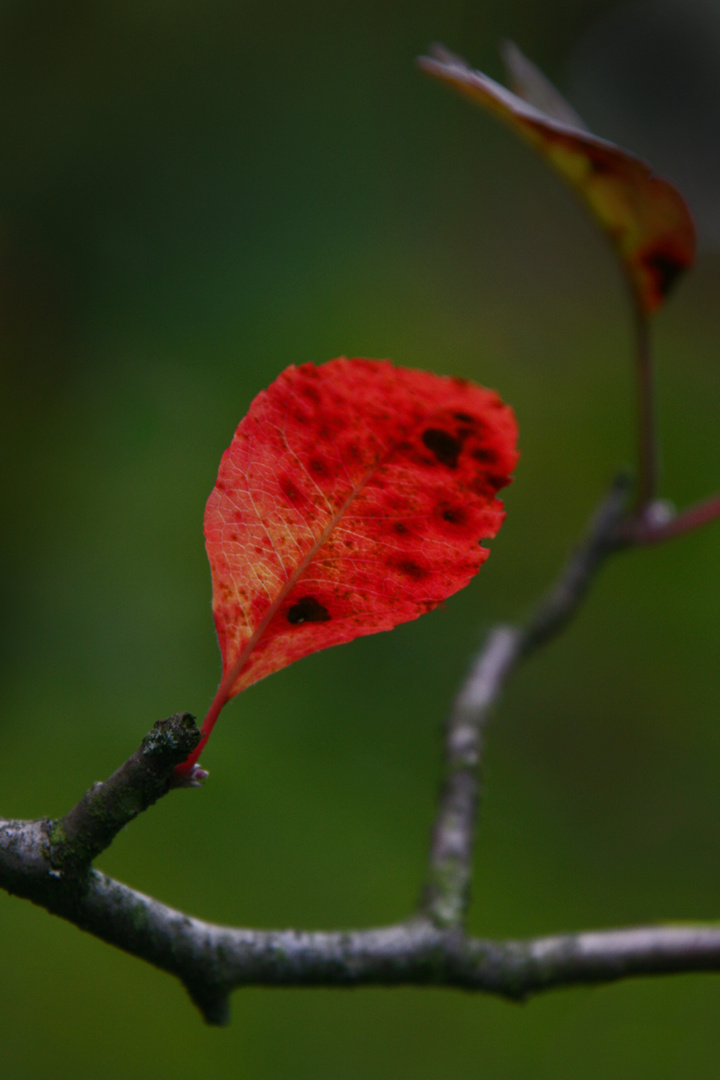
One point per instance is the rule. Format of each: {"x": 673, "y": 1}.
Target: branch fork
{"x": 50, "y": 862}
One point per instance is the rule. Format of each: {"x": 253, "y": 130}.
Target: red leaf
{"x": 353, "y": 497}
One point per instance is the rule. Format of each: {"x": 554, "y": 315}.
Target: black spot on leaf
{"x": 598, "y": 161}
{"x": 308, "y": 609}
{"x": 289, "y": 490}
{"x": 318, "y": 467}
{"x": 454, "y": 515}
{"x": 484, "y": 454}
{"x": 412, "y": 569}
{"x": 665, "y": 267}
{"x": 444, "y": 446}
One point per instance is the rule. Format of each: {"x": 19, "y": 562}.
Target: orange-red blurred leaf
{"x": 353, "y": 497}
{"x": 645, "y": 217}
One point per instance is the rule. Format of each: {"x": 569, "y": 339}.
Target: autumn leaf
{"x": 353, "y": 497}
{"x": 644, "y": 216}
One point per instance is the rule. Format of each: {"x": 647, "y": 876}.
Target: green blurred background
{"x": 195, "y": 195}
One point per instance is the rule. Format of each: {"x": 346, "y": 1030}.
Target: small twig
{"x": 92, "y": 825}
{"x": 446, "y": 895}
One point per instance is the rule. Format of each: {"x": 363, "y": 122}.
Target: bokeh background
{"x": 193, "y": 196}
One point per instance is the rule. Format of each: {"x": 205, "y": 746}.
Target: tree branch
{"x": 446, "y": 896}
{"x": 211, "y": 960}
{"x": 48, "y": 862}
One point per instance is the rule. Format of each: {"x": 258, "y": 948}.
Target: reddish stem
{"x": 214, "y": 711}
{"x": 637, "y": 531}
{"x": 648, "y": 455}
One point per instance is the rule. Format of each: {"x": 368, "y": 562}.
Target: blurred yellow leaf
{"x": 645, "y": 216}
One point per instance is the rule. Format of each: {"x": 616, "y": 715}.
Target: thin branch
{"x": 599, "y": 956}
{"x": 565, "y": 596}
{"x": 212, "y": 961}
{"x": 446, "y": 896}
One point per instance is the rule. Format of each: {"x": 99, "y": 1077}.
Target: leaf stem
{"x": 648, "y": 452}
{"x": 218, "y": 702}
